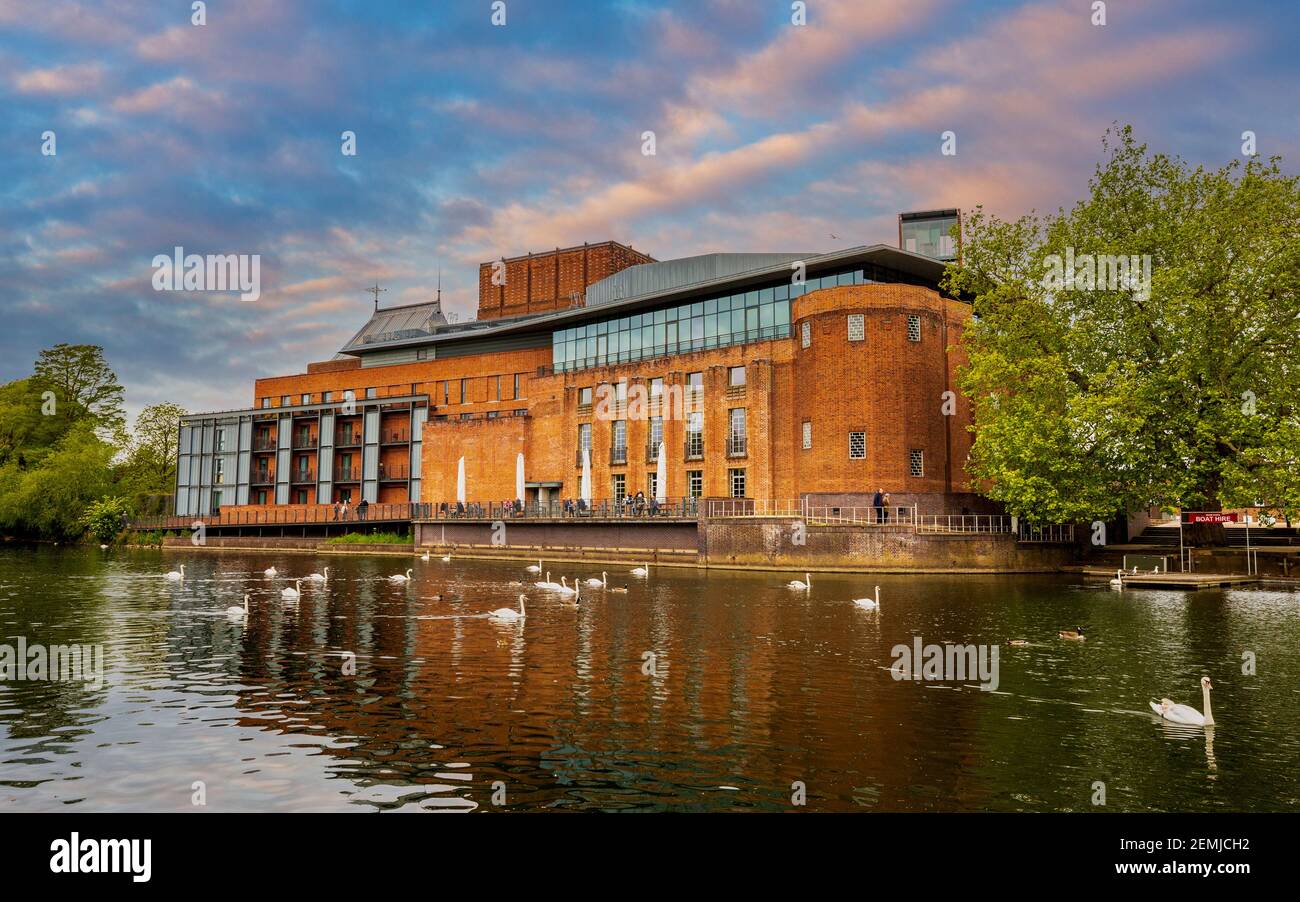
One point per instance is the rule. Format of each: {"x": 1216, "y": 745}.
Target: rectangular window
{"x": 584, "y": 397}
{"x": 736, "y": 376}
{"x": 655, "y": 436}
{"x": 807, "y": 434}
{"x": 372, "y": 392}
{"x": 736, "y": 438}
{"x": 618, "y": 486}
{"x": 695, "y": 483}
{"x": 266, "y": 402}
{"x": 284, "y": 400}
{"x": 916, "y": 462}
{"x": 464, "y": 391}
{"x": 618, "y": 442}
{"x": 805, "y": 333}
{"x": 326, "y": 397}
{"x": 584, "y": 437}
{"x": 497, "y": 379}
{"x": 515, "y": 396}
{"x": 857, "y": 330}
{"x": 857, "y": 446}
{"x": 306, "y": 398}
{"x": 493, "y": 414}
{"x": 913, "y": 327}
{"x": 218, "y": 471}
{"x": 737, "y": 478}
{"x": 695, "y": 435}
{"x": 656, "y": 392}
{"x": 652, "y": 484}
{"x": 219, "y": 441}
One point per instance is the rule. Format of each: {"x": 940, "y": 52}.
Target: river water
{"x": 693, "y": 691}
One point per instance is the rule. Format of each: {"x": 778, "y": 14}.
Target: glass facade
{"x": 759, "y": 314}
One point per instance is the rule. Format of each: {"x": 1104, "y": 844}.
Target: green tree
{"x": 83, "y": 384}
{"x": 153, "y": 448}
{"x": 28, "y": 428}
{"x": 48, "y": 501}
{"x": 1093, "y": 400}
{"x": 103, "y": 519}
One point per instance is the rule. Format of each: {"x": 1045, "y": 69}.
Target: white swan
{"x": 564, "y": 588}
{"x": 870, "y": 604}
{"x": 319, "y": 577}
{"x": 534, "y": 569}
{"x": 509, "y": 613}
{"x": 572, "y": 602}
{"x": 446, "y": 558}
{"x": 270, "y": 571}
{"x": 1118, "y": 581}
{"x": 175, "y": 575}
{"x": 1186, "y": 714}
{"x": 425, "y": 556}
{"x": 400, "y": 577}
{"x": 641, "y": 571}
{"x": 599, "y": 583}
{"x": 546, "y": 583}
{"x": 294, "y": 592}
{"x": 799, "y": 584}
{"x": 236, "y": 611}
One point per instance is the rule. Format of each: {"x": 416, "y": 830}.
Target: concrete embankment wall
{"x": 771, "y": 542}
{"x": 286, "y": 543}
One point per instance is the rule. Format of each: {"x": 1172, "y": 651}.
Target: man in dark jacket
{"x": 877, "y": 501}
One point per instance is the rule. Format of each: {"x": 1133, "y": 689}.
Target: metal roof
{"x": 396, "y": 324}
{"x": 645, "y": 278}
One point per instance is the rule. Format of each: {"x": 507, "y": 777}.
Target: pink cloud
{"x": 82, "y": 78}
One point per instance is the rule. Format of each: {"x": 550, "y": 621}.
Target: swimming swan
{"x": 871, "y": 604}
{"x": 510, "y": 613}
{"x": 1186, "y": 714}
{"x": 800, "y": 585}
{"x": 319, "y": 577}
{"x": 1118, "y": 581}
{"x": 534, "y": 569}
{"x": 269, "y": 571}
{"x": 641, "y": 571}
{"x": 236, "y": 611}
{"x": 599, "y": 583}
{"x": 546, "y": 583}
{"x": 175, "y": 575}
{"x": 425, "y": 556}
{"x": 564, "y": 588}
{"x": 400, "y": 577}
{"x": 294, "y": 592}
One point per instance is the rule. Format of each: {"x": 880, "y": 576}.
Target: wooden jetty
{"x": 1149, "y": 580}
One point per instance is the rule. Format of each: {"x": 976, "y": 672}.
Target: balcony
{"x": 346, "y": 438}
{"x": 301, "y": 477}
{"x": 264, "y": 443}
{"x": 695, "y": 447}
{"x": 394, "y": 473}
{"x": 737, "y": 446}
{"x": 301, "y": 442}
{"x": 262, "y": 477}
{"x": 394, "y": 437}
{"x": 617, "y": 455}
{"x": 348, "y": 474}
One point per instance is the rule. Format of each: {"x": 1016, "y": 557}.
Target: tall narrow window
{"x": 857, "y": 446}
{"x": 805, "y": 333}
{"x": 618, "y": 442}
{"x": 618, "y": 486}
{"x": 737, "y": 478}
{"x": 584, "y": 440}
{"x": 695, "y": 483}
{"x": 857, "y": 329}
{"x": 695, "y": 435}
{"x": 913, "y": 327}
{"x": 736, "y": 438}
{"x": 807, "y": 434}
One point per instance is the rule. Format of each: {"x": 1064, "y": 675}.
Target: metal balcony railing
{"x": 393, "y": 473}
{"x": 302, "y": 476}
{"x": 347, "y": 438}
{"x": 348, "y": 474}
{"x": 304, "y": 441}
{"x": 394, "y": 437}
{"x": 264, "y": 444}
{"x": 262, "y": 477}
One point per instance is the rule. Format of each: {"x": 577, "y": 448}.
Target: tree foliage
{"x": 84, "y": 385}
{"x": 1093, "y": 400}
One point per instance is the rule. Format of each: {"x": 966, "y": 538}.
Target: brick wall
{"x": 537, "y": 283}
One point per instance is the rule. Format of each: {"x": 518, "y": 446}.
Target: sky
{"x": 475, "y": 141}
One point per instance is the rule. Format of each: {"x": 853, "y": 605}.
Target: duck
{"x": 236, "y": 611}
{"x": 1118, "y": 581}
{"x": 175, "y": 575}
{"x": 270, "y": 571}
{"x": 294, "y": 592}
{"x": 400, "y": 577}
{"x": 437, "y": 597}
{"x": 319, "y": 577}
{"x": 622, "y": 591}
{"x": 871, "y": 604}
{"x": 1076, "y": 634}
{"x": 643, "y": 570}
{"x": 599, "y": 583}
{"x": 1186, "y": 714}
{"x": 510, "y": 614}
{"x": 1017, "y": 642}
{"x": 534, "y": 568}
{"x": 799, "y": 585}
{"x": 515, "y": 584}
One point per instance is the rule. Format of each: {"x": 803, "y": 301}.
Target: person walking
{"x": 878, "y": 504}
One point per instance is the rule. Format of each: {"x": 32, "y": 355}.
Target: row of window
{"x": 694, "y": 383}
{"x": 736, "y": 434}
{"x": 857, "y": 329}
{"x": 694, "y": 484}
{"x": 858, "y": 449}
{"x": 503, "y": 387}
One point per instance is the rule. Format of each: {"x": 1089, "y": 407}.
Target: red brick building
{"x": 763, "y": 376}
